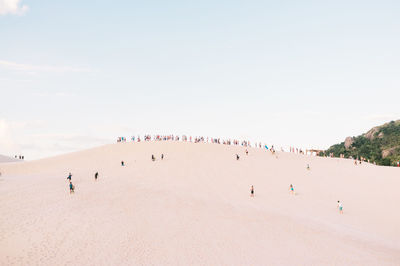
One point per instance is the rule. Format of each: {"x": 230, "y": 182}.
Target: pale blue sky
{"x": 76, "y": 74}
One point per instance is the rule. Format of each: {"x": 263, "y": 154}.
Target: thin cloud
{"x": 382, "y": 117}
{"x": 40, "y": 68}
{"x": 7, "y": 143}
{"x": 12, "y": 7}
{"x": 61, "y": 94}
{"x": 77, "y": 139}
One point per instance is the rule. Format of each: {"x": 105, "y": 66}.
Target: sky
{"x": 78, "y": 74}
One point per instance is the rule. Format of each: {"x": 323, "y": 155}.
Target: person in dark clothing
{"x": 69, "y": 177}
{"x": 71, "y": 188}
{"x": 162, "y": 156}
{"x": 122, "y": 163}
{"x": 153, "y": 158}
{"x": 96, "y": 175}
{"x": 237, "y": 157}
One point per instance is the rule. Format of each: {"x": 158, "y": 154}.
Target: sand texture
{"x": 194, "y": 208}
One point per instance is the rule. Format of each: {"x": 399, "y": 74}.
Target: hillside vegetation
{"x": 380, "y": 144}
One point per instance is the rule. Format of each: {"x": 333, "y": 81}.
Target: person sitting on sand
{"x": 252, "y": 191}
{"x": 122, "y": 163}
{"x": 291, "y": 189}
{"x": 96, "y": 175}
{"x": 340, "y": 207}
{"x": 71, "y": 187}
{"x": 69, "y": 177}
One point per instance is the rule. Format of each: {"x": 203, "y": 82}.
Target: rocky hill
{"x": 381, "y": 144}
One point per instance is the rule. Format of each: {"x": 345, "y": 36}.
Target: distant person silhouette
{"x": 237, "y": 157}
{"x": 252, "y": 191}
{"x": 153, "y": 158}
{"x": 340, "y": 207}
{"x": 71, "y": 188}
{"x": 69, "y": 177}
{"x": 291, "y": 189}
{"x": 122, "y": 163}
{"x": 96, "y": 175}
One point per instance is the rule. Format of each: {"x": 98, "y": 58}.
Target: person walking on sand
{"x": 247, "y": 152}
{"x": 291, "y": 189}
{"x": 162, "y": 156}
{"x": 71, "y": 188}
{"x": 69, "y": 177}
{"x": 237, "y": 157}
{"x": 340, "y": 207}
{"x": 122, "y": 163}
{"x": 96, "y": 175}
{"x": 252, "y": 191}
{"x": 153, "y": 158}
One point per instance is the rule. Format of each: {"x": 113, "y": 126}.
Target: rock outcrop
{"x": 348, "y": 142}
{"x": 371, "y": 133}
{"x": 389, "y": 152}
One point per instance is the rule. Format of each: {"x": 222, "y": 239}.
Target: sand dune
{"x": 194, "y": 208}
{"x": 6, "y": 159}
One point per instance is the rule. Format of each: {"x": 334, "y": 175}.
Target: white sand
{"x": 6, "y": 159}
{"x": 193, "y": 208}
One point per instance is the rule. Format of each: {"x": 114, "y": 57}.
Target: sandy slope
{"x": 194, "y": 208}
{"x": 6, "y": 159}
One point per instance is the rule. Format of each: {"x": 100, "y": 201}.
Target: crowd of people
{"x": 198, "y": 139}
{"x": 296, "y": 150}
{"x": 201, "y": 139}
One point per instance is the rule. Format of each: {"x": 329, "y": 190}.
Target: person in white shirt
{"x": 340, "y": 207}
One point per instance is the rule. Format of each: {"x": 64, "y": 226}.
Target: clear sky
{"x": 77, "y": 74}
